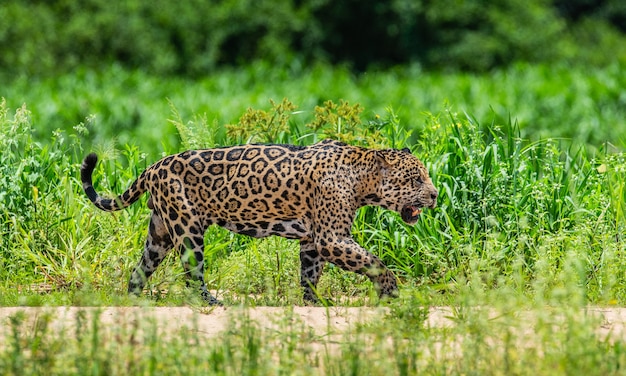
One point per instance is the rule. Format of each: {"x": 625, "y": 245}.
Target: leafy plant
{"x": 263, "y": 126}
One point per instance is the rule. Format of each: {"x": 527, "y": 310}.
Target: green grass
{"x": 528, "y": 232}
{"x": 507, "y": 336}
{"x": 131, "y": 107}
{"x": 508, "y": 206}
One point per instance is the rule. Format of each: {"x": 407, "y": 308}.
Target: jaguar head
{"x": 406, "y": 185}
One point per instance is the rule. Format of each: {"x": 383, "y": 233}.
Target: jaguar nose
{"x": 433, "y": 195}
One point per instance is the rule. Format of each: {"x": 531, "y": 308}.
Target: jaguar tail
{"x": 122, "y": 201}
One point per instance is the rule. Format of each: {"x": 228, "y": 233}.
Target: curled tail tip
{"x": 91, "y": 158}
{"x": 131, "y": 195}
{"x": 89, "y": 163}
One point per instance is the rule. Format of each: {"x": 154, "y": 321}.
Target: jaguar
{"x": 307, "y": 193}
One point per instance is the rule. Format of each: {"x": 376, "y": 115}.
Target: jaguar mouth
{"x": 410, "y": 213}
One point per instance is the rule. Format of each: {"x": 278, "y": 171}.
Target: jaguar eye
{"x": 420, "y": 180}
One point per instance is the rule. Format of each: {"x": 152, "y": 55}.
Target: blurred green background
{"x": 195, "y": 37}
{"x": 554, "y": 66}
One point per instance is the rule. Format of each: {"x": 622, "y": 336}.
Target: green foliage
{"x": 131, "y": 108}
{"x": 264, "y": 274}
{"x": 32, "y": 178}
{"x": 335, "y": 121}
{"x": 527, "y": 234}
{"x": 263, "y": 126}
{"x": 162, "y": 37}
{"x": 342, "y": 122}
{"x": 192, "y": 38}
{"x": 482, "y": 36}
{"x": 508, "y": 209}
{"x": 512, "y": 210}
{"x": 47, "y": 235}
{"x": 500, "y": 339}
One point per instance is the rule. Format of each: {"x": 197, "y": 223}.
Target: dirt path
{"x": 211, "y": 322}
{"x": 207, "y": 322}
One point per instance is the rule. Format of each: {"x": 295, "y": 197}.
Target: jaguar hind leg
{"x": 158, "y": 245}
{"x": 192, "y": 258}
{"x": 311, "y": 266}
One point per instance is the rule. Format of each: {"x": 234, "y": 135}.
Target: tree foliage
{"x": 193, "y": 37}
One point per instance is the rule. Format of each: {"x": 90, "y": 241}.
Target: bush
{"x": 164, "y": 37}
{"x": 193, "y": 37}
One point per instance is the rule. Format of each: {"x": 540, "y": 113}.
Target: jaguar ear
{"x": 407, "y": 150}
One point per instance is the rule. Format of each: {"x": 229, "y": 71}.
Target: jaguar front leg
{"x": 348, "y": 255}
{"x": 336, "y": 245}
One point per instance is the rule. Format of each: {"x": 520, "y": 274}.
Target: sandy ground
{"x": 206, "y": 321}
{"x": 211, "y": 322}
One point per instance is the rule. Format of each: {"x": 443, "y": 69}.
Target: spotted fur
{"x": 305, "y": 193}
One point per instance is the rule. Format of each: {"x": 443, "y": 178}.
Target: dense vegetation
{"x": 521, "y": 225}
{"x": 194, "y": 37}
{"x": 523, "y": 131}
{"x": 123, "y": 107}
{"x": 509, "y": 206}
